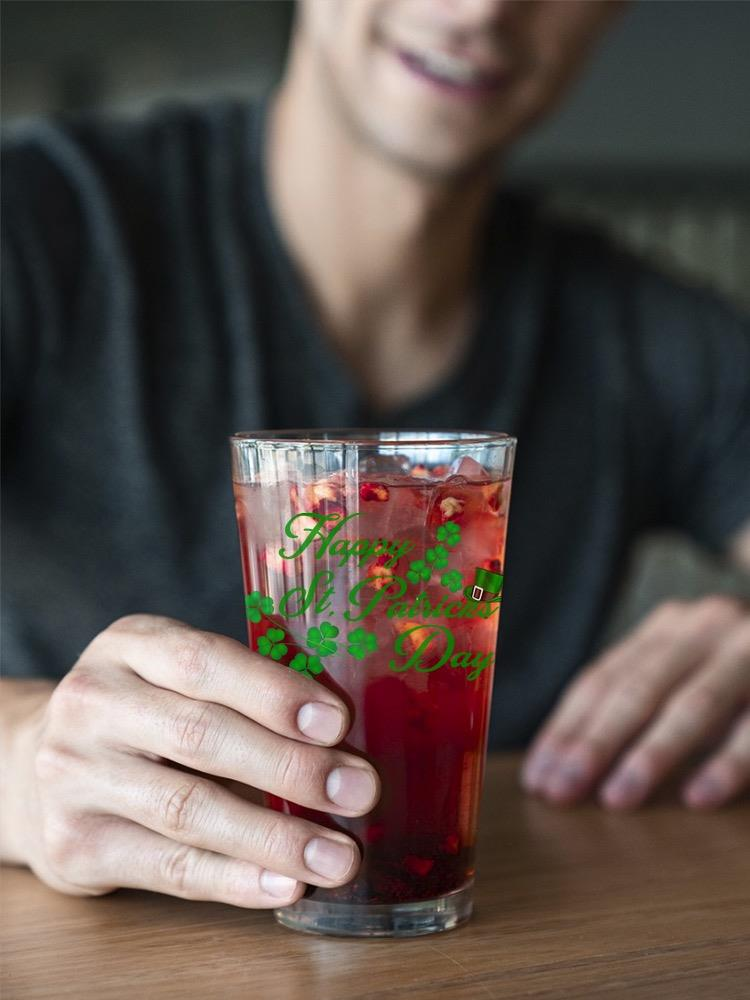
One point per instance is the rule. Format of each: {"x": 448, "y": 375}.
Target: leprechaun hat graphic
{"x": 487, "y": 586}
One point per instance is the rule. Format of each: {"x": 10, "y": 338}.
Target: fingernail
{"x": 624, "y": 789}
{"x": 328, "y": 858}
{"x": 320, "y": 722}
{"x": 705, "y": 791}
{"x": 277, "y": 885}
{"x": 351, "y": 788}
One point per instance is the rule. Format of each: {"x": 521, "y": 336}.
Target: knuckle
{"x": 593, "y": 681}
{"x": 106, "y": 643}
{"x": 178, "y": 866}
{"x": 131, "y": 623}
{"x": 78, "y": 694}
{"x": 196, "y": 732}
{"x": 181, "y": 807}
{"x": 116, "y": 631}
{"x": 634, "y": 693}
{"x": 51, "y": 762}
{"x": 276, "y": 691}
{"x": 62, "y": 838}
{"x": 717, "y": 609}
{"x": 295, "y": 770}
{"x": 142, "y": 624}
{"x": 668, "y": 616}
{"x": 739, "y": 641}
{"x": 275, "y": 841}
{"x": 715, "y": 613}
{"x": 699, "y": 704}
{"x": 587, "y": 688}
{"x": 194, "y": 658}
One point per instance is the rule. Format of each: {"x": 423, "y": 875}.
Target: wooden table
{"x": 576, "y": 903}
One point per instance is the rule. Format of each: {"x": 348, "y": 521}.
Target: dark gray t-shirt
{"x": 151, "y": 309}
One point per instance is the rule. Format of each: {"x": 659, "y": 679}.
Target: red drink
{"x": 379, "y": 572}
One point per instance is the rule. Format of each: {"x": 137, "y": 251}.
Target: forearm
{"x": 22, "y": 705}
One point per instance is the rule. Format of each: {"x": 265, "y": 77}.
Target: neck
{"x": 385, "y": 253}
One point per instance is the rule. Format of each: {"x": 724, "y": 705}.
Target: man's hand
{"x": 668, "y": 690}
{"x": 99, "y": 802}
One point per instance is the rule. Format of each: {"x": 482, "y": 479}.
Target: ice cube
{"x": 374, "y": 465}
{"x": 469, "y": 468}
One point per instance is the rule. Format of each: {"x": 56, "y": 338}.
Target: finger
{"x": 726, "y": 774}
{"x": 198, "y": 812}
{"x": 129, "y": 856}
{"x": 210, "y": 667}
{"x": 587, "y": 691}
{"x": 622, "y": 693}
{"x": 581, "y": 699}
{"x": 711, "y": 696}
{"x": 574, "y": 707}
{"x": 218, "y": 741}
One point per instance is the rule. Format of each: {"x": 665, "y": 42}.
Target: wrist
{"x": 22, "y": 707}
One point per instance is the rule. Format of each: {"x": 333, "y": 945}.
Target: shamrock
{"x": 307, "y": 665}
{"x": 271, "y": 645}
{"x": 452, "y": 580}
{"x": 257, "y": 604}
{"x": 322, "y": 638}
{"x": 449, "y": 533}
{"x": 437, "y": 556}
{"x": 361, "y": 643}
{"x": 418, "y": 570}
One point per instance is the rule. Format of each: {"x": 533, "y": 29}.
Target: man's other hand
{"x": 679, "y": 685}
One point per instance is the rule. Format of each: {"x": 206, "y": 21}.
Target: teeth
{"x": 450, "y": 68}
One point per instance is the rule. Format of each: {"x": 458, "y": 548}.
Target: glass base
{"x": 429, "y": 916}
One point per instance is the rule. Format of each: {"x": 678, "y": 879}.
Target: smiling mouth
{"x": 453, "y": 73}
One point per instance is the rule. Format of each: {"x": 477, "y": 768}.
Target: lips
{"x": 455, "y": 74}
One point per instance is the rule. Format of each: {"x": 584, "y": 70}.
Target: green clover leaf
{"x": 257, "y": 604}
{"x": 452, "y": 580}
{"x": 449, "y": 533}
{"x": 418, "y": 570}
{"x": 437, "y": 556}
{"x": 314, "y": 665}
{"x": 322, "y": 638}
{"x": 361, "y": 643}
{"x": 271, "y": 645}
{"x": 299, "y": 662}
{"x": 307, "y": 665}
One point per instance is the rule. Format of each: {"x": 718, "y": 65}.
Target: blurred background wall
{"x": 654, "y": 145}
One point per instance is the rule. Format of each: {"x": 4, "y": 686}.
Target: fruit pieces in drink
{"x": 425, "y": 732}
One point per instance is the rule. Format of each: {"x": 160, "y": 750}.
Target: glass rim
{"x": 368, "y": 436}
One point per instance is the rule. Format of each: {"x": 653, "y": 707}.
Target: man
{"x": 339, "y": 257}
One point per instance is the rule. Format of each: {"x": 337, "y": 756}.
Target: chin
{"x": 435, "y": 154}
{"x": 438, "y": 164}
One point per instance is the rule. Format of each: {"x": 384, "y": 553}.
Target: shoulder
{"x": 89, "y": 199}
{"x": 129, "y": 135}
{"x": 601, "y": 286}
{"x": 86, "y": 154}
